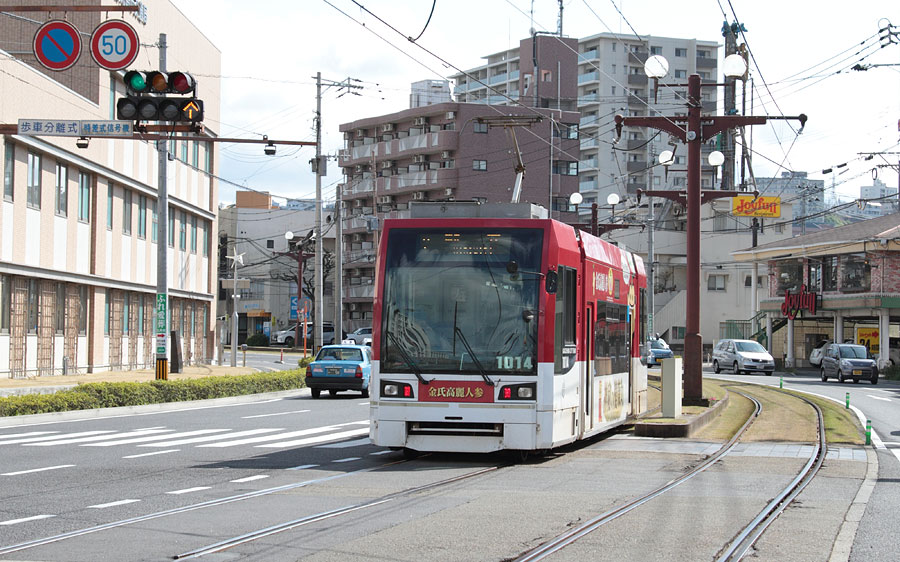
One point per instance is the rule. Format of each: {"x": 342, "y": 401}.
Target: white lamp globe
{"x": 576, "y": 198}
{"x": 716, "y": 158}
{"x": 665, "y": 157}
{"x": 288, "y": 235}
{"x": 734, "y": 66}
{"x": 612, "y": 199}
{"x": 656, "y": 67}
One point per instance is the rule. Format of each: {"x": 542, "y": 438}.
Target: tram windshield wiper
{"x": 409, "y": 361}
{"x": 462, "y": 338}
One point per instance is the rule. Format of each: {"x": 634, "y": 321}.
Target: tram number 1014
{"x": 509, "y": 362}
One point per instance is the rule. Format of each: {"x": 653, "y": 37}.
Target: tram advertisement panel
{"x": 455, "y": 391}
{"x": 612, "y": 397}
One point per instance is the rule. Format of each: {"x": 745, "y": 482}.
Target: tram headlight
{"x": 525, "y": 391}
{"x": 391, "y": 389}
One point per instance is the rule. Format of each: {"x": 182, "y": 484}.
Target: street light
{"x": 299, "y": 255}
{"x": 612, "y": 200}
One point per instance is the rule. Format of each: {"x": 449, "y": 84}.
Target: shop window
{"x": 789, "y": 276}
{"x": 857, "y": 274}
{"x": 830, "y": 273}
{"x": 814, "y": 276}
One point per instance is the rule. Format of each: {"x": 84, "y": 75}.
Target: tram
{"x": 498, "y": 329}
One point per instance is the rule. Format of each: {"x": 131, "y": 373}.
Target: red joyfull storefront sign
{"x": 455, "y": 391}
{"x": 795, "y": 302}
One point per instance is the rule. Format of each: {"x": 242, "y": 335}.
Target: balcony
{"x": 587, "y": 56}
{"x": 419, "y": 181}
{"x": 637, "y": 99}
{"x": 588, "y": 164}
{"x": 588, "y": 99}
{"x": 706, "y": 62}
{"x": 588, "y": 121}
{"x": 425, "y": 142}
{"x": 635, "y": 144}
{"x": 637, "y": 166}
{"x": 637, "y": 79}
{"x": 638, "y": 57}
{"x": 588, "y": 185}
{"x": 588, "y": 77}
{"x": 497, "y": 78}
{"x": 360, "y": 291}
{"x": 588, "y": 143}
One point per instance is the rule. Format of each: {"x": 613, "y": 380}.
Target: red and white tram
{"x": 503, "y": 333}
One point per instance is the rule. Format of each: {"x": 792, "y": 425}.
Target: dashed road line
{"x": 879, "y": 398}
{"x": 275, "y": 414}
{"x": 302, "y": 467}
{"x": 188, "y": 490}
{"x": 112, "y": 504}
{"x": 151, "y": 454}
{"x": 348, "y": 459}
{"x": 319, "y": 439}
{"x": 250, "y": 478}
{"x": 51, "y": 437}
{"x": 37, "y": 470}
{"x": 26, "y": 519}
{"x": 63, "y": 440}
{"x": 212, "y": 437}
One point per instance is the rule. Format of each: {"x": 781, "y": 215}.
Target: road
{"x": 267, "y": 360}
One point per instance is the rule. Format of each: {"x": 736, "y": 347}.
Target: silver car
{"x": 742, "y": 356}
{"x": 848, "y": 361}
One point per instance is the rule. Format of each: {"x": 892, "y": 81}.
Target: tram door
{"x": 587, "y": 417}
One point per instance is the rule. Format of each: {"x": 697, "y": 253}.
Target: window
{"x": 33, "y": 195}
{"x": 612, "y": 90}
{"x": 565, "y": 131}
{"x": 479, "y": 127}
{"x": 814, "y": 276}
{"x": 60, "y": 308}
{"x": 195, "y": 154}
{"x": 790, "y": 277}
{"x": 678, "y": 332}
{"x": 82, "y": 309}
{"x": 62, "y": 189}
{"x": 680, "y": 73}
{"x": 171, "y": 229}
{"x": 126, "y": 211}
{"x": 109, "y": 205}
{"x": 205, "y": 237}
{"x": 193, "y": 234}
{"x": 716, "y": 282}
{"x": 270, "y": 244}
{"x": 565, "y": 168}
{"x": 565, "y": 319}
{"x": 140, "y": 314}
{"x": 829, "y": 273}
{"x": 106, "y": 312}
{"x": 4, "y": 303}
{"x": 84, "y": 197}
{"x": 142, "y": 216}
{"x": 9, "y": 161}
{"x": 184, "y": 151}
{"x": 33, "y": 306}
{"x": 480, "y": 165}
{"x": 680, "y": 52}
{"x": 702, "y": 54}
{"x": 856, "y": 274}
{"x": 656, "y": 50}
{"x": 173, "y": 148}
{"x": 182, "y": 231}
{"x": 613, "y": 47}
{"x": 154, "y": 229}
{"x": 207, "y": 157}
{"x": 125, "y": 313}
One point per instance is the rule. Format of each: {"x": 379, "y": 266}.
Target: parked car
{"x": 286, "y": 337}
{"x": 340, "y": 367}
{"x": 815, "y": 356}
{"x": 742, "y": 356}
{"x": 361, "y": 335}
{"x": 894, "y": 351}
{"x": 657, "y": 350}
{"x": 848, "y": 361}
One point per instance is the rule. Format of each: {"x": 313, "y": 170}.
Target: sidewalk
{"x": 55, "y": 383}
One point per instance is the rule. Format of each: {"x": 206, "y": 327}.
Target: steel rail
{"x": 561, "y": 541}
{"x": 288, "y": 525}
{"x": 745, "y": 540}
{"x": 183, "y": 509}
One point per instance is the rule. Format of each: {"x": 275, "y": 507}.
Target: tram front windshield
{"x": 461, "y": 301}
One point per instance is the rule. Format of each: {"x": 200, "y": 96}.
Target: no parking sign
{"x": 57, "y": 45}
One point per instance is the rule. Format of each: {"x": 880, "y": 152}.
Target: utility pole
{"x": 320, "y": 258}
{"x": 730, "y": 33}
{"x": 238, "y": 259}
{"x": 162, "y": 248}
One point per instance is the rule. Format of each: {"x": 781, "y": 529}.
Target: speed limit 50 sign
{"x": 114, "y": 45}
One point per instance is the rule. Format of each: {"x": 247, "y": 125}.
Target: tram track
{"x": 744, "y": 540}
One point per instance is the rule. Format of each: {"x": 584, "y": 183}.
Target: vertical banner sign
{"x": 161, "y": 335}
{"x": 870, "y": 337}
{"x": 57, "y": 45}
{"x": 114, "y": 45}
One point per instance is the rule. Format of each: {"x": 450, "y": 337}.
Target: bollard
{"x": 847, "y": 402}
{"x": 244, "y": 350}
{"x": 868, "y": 432}
{"x": 780, "y": 382}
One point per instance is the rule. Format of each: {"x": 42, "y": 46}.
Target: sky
{"x": 801, "y": 50}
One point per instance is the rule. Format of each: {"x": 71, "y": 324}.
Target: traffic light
{"x": 148, "y": 99}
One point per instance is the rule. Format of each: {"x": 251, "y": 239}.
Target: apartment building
{"x": 445, "y": 152}
{"x": 79, "y": 226}
{"x": 601, "y": 76}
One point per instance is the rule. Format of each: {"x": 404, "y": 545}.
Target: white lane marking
{"x": 250, "y": 478}
{"x": 151, "y": 454}
{"x": 879, "y": 398}
{"x": 112, "y": 504}
{"x": 384, "y": 452}
{"x": 277, "y": 414}
{"x": 297, "y": 433}
{"x": 63, "y": 441}
{"x": 155, "y": 437}
{"x": 348, "y": 459}
{"x": 212, "y": 437}
{"x": 29, "y": 434}
{"x": 302, "y": 467}
{"x": 46, "y": 438}
{"x": 25, "y": 519}
{"x": 189, "y": 490}
{"x": 319, "y": 439}
{"x": 345, "y": 444}
{"x": 37, "y": 470}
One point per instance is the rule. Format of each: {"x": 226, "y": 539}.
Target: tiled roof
{"x": 887, "y": 226}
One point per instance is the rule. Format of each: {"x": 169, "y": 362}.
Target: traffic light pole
{"x": 162, "y": 269}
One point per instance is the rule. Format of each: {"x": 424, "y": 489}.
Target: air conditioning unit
{"x": 420, "y": 121}
{"x": 358, "y": 168}
{"x": 420, "y": 159}
{"x": 387, "y": 127}
{"x": 353, "y": 306}
{"x": 445, "y": 155}
{"x": 450, "y": 115}
{"x": 448, "y": 191}
{"x": 419, "y": 195}
{"x": 387, "y": 164}
{"x": 385, "y": 199}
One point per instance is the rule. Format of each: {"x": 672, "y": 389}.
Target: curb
{"x": 687, "y": 429}
{"x": 843, "y": 544}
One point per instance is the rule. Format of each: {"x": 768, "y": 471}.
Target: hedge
{"x": 112, "y": 394}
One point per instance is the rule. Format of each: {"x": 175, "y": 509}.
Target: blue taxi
{"x": 340, "y": 367}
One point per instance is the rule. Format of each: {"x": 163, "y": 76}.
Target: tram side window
{"x": 611, "y": 338}
{"x": 643, "y": 308}
{"x": 565, "y": 319}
